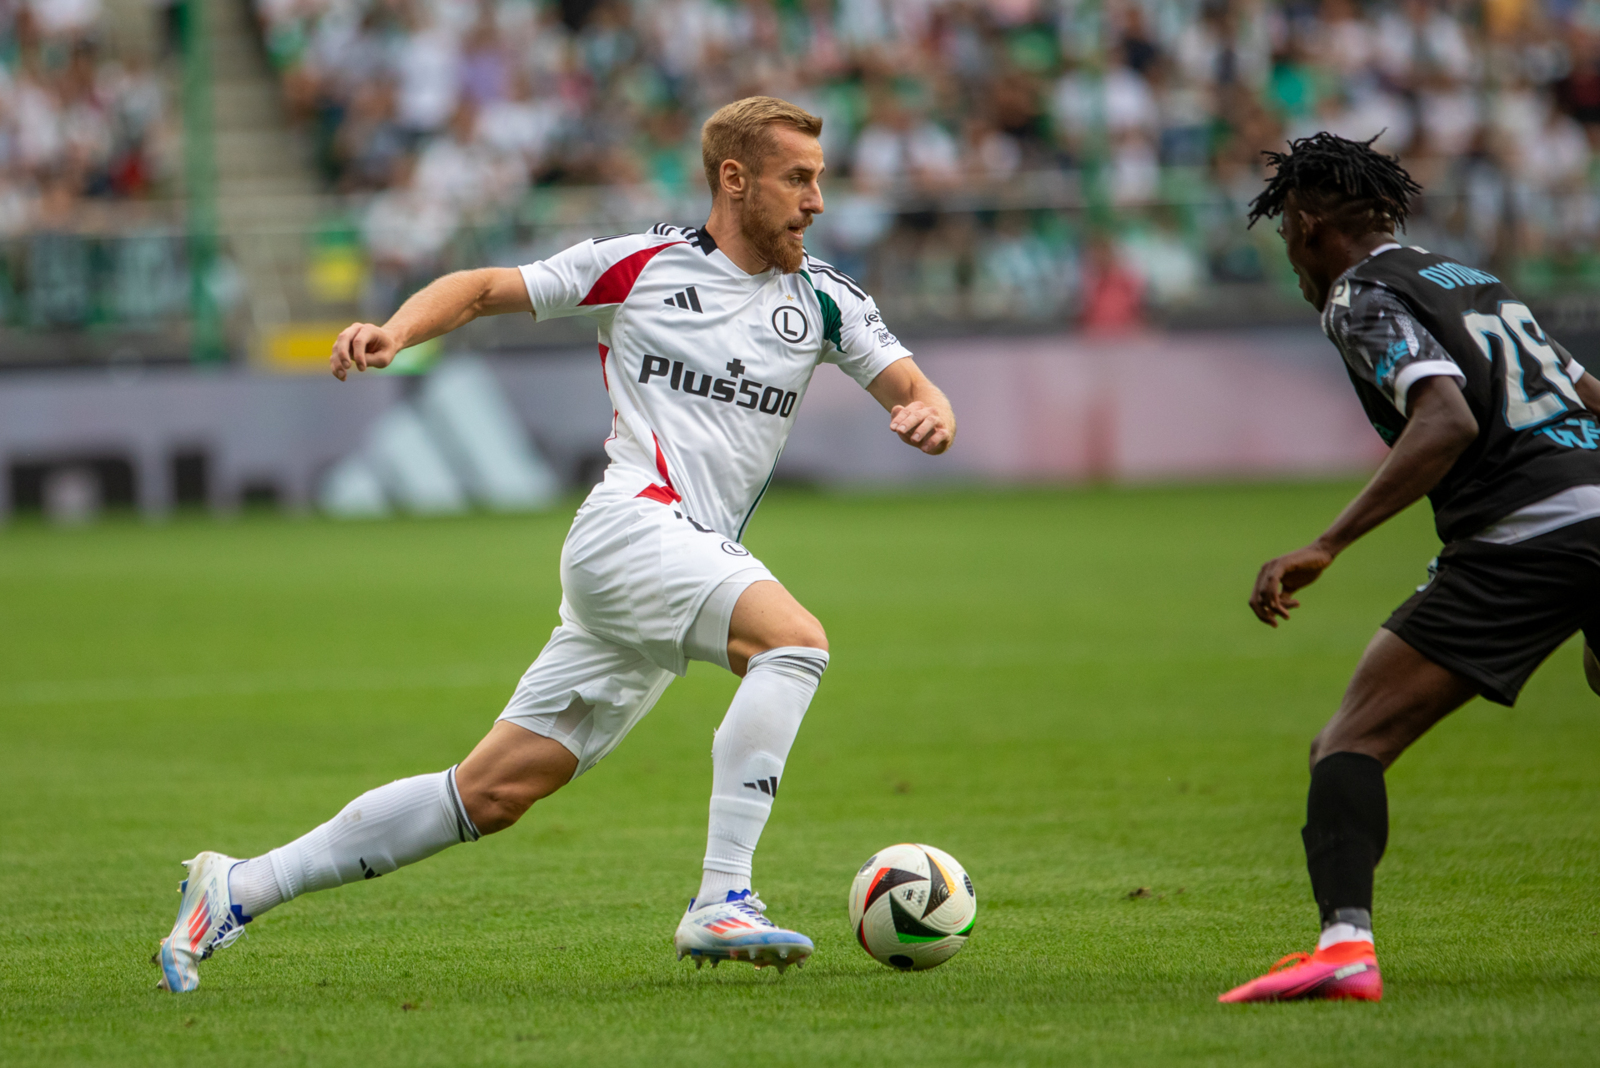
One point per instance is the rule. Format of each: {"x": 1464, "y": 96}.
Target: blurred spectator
{"x": 74, "y": 123}
{"x": 1112, "y": 291}
{"x": 957, "y": 126}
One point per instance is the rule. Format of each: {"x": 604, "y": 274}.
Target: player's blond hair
{"x": 742, "y": 131}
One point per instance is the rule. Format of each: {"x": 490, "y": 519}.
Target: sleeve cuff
{"x": 1574, "y": 371}
{"x": 883, "y": 359}
{"x": 1411, "y": 374}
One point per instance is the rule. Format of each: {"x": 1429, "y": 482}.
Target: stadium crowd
{"x": 78, "y": 127}
{"x": 1153, "y": 111}
{"x": 956, "y": 131}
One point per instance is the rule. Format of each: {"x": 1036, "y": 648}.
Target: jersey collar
{"x": 1381, "y": 249}
{"x": 701, "y": 239}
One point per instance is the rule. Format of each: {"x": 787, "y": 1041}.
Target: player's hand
{"x": 362, "y": 346}
{"x": 921, "y": 426}
{"x": 1281, "y": 577}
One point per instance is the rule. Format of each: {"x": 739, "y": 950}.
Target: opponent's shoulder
{"x": 1413, "y": 269}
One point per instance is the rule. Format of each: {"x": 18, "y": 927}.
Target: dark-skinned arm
{"x": 1440, "y": 428}
{"x": 1588, "y": 388}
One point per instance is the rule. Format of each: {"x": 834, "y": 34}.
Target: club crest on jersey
{"x": 790, "y": 323}
{"x": 739, "y": 391}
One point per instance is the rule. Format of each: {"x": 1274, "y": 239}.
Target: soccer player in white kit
{"x": 708, "y": 340}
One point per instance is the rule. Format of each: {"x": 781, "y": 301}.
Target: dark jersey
{"x": 1404, "y": 314}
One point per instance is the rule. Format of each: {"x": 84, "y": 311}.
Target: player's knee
{"x": 494, "y": 808}
{"x": 1330, "y": 740}
{"x": 799, "y": 628}
{"x": 1319, "y": 749}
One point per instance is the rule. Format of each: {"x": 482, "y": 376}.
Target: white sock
{"x": 1335, "y": 933}
{"x": 715, "y": 886}
{"x": 253, "y": 887}
{"x": 381, "y": 830}
{"x": 747, "y": 758}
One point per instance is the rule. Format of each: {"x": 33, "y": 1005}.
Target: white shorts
{"x": 635, "y": 575}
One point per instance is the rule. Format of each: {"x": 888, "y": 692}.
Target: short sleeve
{"x": 557, "y": 286}
{"x": 590, "y": 278}
{"x": 856, "y": 339}
{"x": 1385, "y": 346}
{"x": 865, "y": 347}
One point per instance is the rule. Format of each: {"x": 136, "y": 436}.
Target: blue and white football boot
{"x": 208, "y": 920}
{"x": 735, "y": 929}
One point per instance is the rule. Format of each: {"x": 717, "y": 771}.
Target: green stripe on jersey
{"x": 832, "y": 317}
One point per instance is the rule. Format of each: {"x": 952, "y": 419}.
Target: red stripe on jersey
{"x": 664, "y": 494}
{"x": 661, "y": 462}
{"x": 614, "y": 286}
{"x": 605, "y": 378}
{"x": 659, "y": 494}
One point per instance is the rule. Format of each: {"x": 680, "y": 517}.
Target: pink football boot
{"x": 1345, "y": 971}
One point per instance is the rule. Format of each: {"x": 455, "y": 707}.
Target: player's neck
{"x": 724, "y": 228}
{"x": 1355, "y": 249}
{"x": 1341, "y": 253}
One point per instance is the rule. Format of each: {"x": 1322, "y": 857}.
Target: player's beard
{"x": 768, "y": 233}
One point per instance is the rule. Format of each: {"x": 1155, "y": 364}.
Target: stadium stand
{"x": 1010, "y": 161}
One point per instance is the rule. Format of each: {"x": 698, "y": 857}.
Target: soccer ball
{"x": 912, "y": 906}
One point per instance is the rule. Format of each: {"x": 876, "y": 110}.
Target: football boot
{"x": 208, "y": 920}
{"x": 737, "y": 929}
{"x": 1345, "y": 971}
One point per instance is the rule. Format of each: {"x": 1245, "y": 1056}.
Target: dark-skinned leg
{"x": 1395, "y": 696}
{"x": 1591, "y": 667}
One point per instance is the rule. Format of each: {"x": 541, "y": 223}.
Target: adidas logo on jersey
{"x": 685, "y": 298}
{"x": 768, "y": 786}
{"x": 741, "y": 392}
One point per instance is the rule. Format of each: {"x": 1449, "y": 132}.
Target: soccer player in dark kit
{"x": 1495, "y": 423}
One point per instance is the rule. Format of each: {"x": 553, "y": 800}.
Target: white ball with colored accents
{"x": 912, "y": 906}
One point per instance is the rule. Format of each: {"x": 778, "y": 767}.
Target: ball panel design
{"x": 912, "y": 906}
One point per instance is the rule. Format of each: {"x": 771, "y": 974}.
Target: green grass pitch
{"x": 1063, "y": 689}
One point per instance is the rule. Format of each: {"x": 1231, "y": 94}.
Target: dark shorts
{"x": 1494, "y": 612}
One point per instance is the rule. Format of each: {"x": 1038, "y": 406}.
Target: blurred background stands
{"x": 1012, "y": 164}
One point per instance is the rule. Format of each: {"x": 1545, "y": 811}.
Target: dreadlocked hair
{"x": 1356, "y": 188}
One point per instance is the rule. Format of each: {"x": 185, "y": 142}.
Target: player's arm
{"x": 1440, "y": 428}
{"x": 1588, "y": 388}
{"x": 918, "y": 410}
{"x": 438, "y": 308}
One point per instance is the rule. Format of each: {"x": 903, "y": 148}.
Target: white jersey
{"x": 705, "y": 364}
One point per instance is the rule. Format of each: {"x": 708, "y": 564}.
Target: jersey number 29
{"x": 1518, "y": 333}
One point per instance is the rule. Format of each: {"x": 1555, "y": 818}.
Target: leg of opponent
{"x": 1395, "y": 696}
